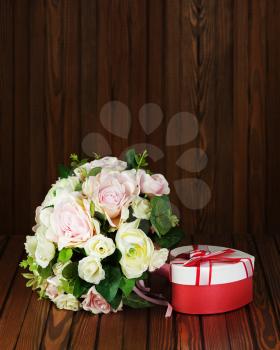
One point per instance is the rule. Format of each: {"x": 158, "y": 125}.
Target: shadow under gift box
{"x": 216, "y": 282}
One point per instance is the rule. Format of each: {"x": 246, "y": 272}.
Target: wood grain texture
{"x": 7, "y": 114}
{"x": 155, "y": 82}
{"x": 263, "y": 321}
{"x": 57, "y": 331}
{"x": 272, "y": 111}
{"x": 54, "y": 86}
{"x": 8, "y": 265}
{"x": 224, "y": 120}
{"x": 88, "y": 93}
{"x": 214, "y": 327}
{"x": 14, "y": 312}
{"x": 119, "y": 66}
{"x": 21, "y": 154}
{"x": 111, "y": 332}
{"x": 162, "y": 331}
{"x": 71, "y": 77}
{"x": 206, "y": 110}
{"x": 240, "y": 116}
{"x": 135, "y": 329}
{"x": 268, "y": 256}
{"x": 239, "y": 331}
{"x": 188, "y": 332}
{"x": 189, "y": 86}
{"x": 84, "y": 331}
{"x": 257, "y": 122}
{"x": 37, "y": 115}
{"x": 32, "y": 328}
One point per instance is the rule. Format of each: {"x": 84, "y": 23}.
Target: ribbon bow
{"x": 203, "y": 257}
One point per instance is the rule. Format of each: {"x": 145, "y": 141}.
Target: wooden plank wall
{"x": 62, "y": 60}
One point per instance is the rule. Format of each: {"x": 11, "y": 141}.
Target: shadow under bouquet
{"x": 101, "y": 228}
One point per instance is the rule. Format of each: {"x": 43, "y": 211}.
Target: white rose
{"x": 90, "y": 270}
{"x": 136, "y": 248}
{"x": 42, "y": 216}
{"x": 45, "y": 250}
{"x": 31, "y": 245}
{"x": 67, "y": 302}
{"x": 108, "y": 163}
{"x": 141, "y": 208}
{"x": 62, "y": 186}
{"x": 100, "y": 246}
{"x": 158, "y": 259}
{"x": 112, "y": 163}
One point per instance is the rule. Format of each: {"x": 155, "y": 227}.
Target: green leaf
{"x": 28, "y": 275}
{"x": 75, "y": 162}
{"x": 161, "y": 215}
{"x": 130, "y": 158}
{"x": 104, "y": 224}
{"x": 172, "y": 237}
{"x": 66, "y": 286}
{"x": 45, "y": 272}
{"x": 145, "y": 226}
{"x": 134, "y": 301}
{"x": 74, "y": 157}
{"x": 92, "y": 208}
{"x": 24, "y": 264}
{"x": 80, "y": 287}
{"x": 141, "y": 159}
{"x": 48, "y": 206}
{"x": 70, "y": 271}
{"x": 113, "y": 259}
{"x": 78, "y": 187}
{"x": 144, "y": 276}
{"x": 78, "y": 254}
{"x": 63, "y": 171}
{"x": 94, "y": 171}
{"x": 116, "y": 301}
{"x": 65, "y": 255}
{"x": 29, "y": 283}
{"x": 108, "y": 287}
{"x": 99, "y": 216}
{"x": 127, "y": 285}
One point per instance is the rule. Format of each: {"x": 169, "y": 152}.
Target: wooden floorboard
{"x": 263, "y": 321}
{"x": 57, "y": 331}
{"x": 34, "y": 324}
{"x": 8, "y": 265}
{"x": 28, "y": 323}
{"x": 84, "y": 331}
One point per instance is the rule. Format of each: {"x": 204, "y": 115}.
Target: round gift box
{"x": 230, "y": 286}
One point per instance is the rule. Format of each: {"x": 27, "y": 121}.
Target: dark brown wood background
{"x": 60, "y": 61}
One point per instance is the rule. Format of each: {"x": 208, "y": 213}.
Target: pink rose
{"x": 111, "y": 191}
{"x": 152, "y": 184}
{"x": 70, "y": 223}
{"x": 95, "y": 303}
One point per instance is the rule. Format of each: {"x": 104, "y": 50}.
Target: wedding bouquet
{"x": 101, "y": 227}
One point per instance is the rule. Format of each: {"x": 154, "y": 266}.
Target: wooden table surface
{"x": 26, "y": 323}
